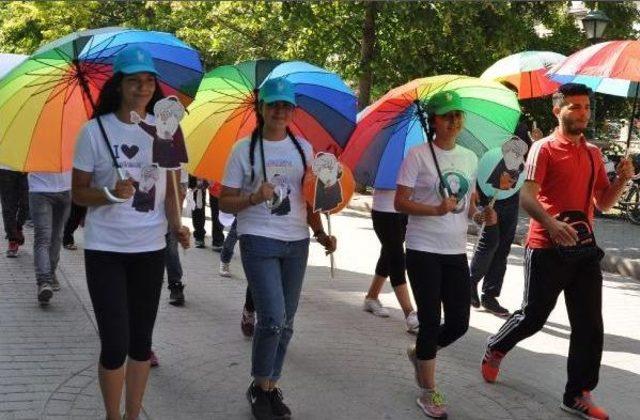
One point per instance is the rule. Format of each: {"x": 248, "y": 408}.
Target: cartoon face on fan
{"x": 169, "y": 150}
{"x": 145, "y": 196}
{"x": 507, "y": 171}
{"x": 328, "y": 171}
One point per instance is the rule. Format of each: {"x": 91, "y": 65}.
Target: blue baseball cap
{"x": 279, "y": 89}
{"x": 134, "y": 60}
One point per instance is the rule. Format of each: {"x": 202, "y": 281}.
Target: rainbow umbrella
{"x": 526, "y": 71}
{"x": 9, "y": 61}
{"x": 47, "y": 98}
{"x": 388, "y": 128}
{"x": 608, "y": 67}
{"x": 224, "y": 111}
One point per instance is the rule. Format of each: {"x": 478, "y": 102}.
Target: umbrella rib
{"x": 63, "y": 55}
{"x": 37, "y": 60}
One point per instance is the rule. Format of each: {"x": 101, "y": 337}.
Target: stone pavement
{"x": 343, "y": 363}
{"x": 619, "y": 238}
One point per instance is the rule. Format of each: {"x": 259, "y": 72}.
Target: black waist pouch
{"x": 586, "y": 250}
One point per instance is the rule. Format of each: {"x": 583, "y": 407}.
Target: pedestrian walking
{"x": 565, "y": 178}
{"x": 263, "y": 186}
{"x": 172, "y": 256}
{"x": 489, "y": 261}
{"x": 14, "y": 196}
{"x": 125, "y": 241}
{"x": 438, "y": 197}
{"x": 49, "y": 204}
{"x": 200, "y": 188}
{"x": 390, "y": 228}
{"x": 76, "y": 218}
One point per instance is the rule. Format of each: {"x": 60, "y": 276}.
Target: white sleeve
{"x": 233, "y": 172}
{"x": 84, "y": 158}
{"x": 408, "y": 173}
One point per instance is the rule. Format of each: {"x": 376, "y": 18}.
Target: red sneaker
{"x": 583, "y": 406}
{"x": 12, "y": 250}
{"x": 153, "y": 360}
{"x": 491, "y": 365}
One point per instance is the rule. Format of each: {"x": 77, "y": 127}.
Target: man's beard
{"x": 572, "y": 128}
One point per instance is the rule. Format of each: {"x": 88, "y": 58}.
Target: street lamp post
{"x": 594, "y": 24}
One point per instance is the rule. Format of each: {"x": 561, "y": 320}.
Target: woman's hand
{"x": 330, "y": 243}
{"x": 124, "y": 189}
{"x": 183, "y": 234}
{"x": 447, "y": 205}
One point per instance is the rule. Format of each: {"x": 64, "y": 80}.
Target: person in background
{"x": 200, "y": 187}
{"x": 49, "y": 204}
{"x": 14, "y": 196}
{"x": 76, "y": 218}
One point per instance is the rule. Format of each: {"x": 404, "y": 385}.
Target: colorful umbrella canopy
{"x": 527, "y": 71}
{"x": 9, "y": 61}
{"x": 45, "y": 100}
{"x": 388, "y": 128}
{"x": 608, "y": 67}
{"x": 224, "y": 110}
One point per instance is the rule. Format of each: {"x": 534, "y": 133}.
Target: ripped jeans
{"x": 275, "y": 271}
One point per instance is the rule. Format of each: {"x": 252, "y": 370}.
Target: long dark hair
{"x": 256, "y": 137}
{"x": 110, "y": 96}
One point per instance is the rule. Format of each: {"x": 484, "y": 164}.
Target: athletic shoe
{"x": 375, "y": 307}
{"x": 247, "y": 323}
{"x": 199, "y": 243}
{"x": 413, "y": 325}
{"x": 224, "y": 270}
{"x": 55, "y": 284}
{"x": 70, "y": 247}
{"x": 492, "y": 305}
{"x": 176, "y": 296}
{"x": 475, "y": 299}
{"x": 491, "y": 364}
{"x": 12, "y": 250}
{"x": 44, "y": 293}
{"x": 413, "y": 358}
{"x": 260, "y": 401}
{"x": 279, "y": 409}
{"x": 216, "y": 248}
{"x": 583, "y": 406}
{"x": 153, "y": 360}
{"x": 433, "y": 404}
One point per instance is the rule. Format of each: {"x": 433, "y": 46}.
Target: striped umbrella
{"x": 224, "y": 111}
{"x": 526, "y": 71}
{"x": 611, "y": 67}
{"x": 391, "y": 126}
{"x": 47, "y": 98}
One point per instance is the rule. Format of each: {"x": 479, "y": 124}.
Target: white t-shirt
{"x": 288, "y": 221}
{"x": 49, "y": 182}
{"x": 383, "y": 200}
{"x": 439, "y": 234}
{"x": 139, "y": 224}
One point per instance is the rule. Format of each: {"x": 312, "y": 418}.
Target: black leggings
{"x": 125, "y": 292}
{"x": 439, "y": 280}
{"x": 390, "y": 229}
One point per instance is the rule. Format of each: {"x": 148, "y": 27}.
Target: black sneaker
{"x": 491, "y": 305}
{"x": 44, "y": 293}
{"x": 260, "y": 401}
{"x": 475, "y": 299}
{"x": 199, "y": 243}
{"x": 176, "y": 296}
{"x": 279, "y": 409}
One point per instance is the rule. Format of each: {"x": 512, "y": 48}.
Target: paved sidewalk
{"x": 617, "y": 237}
{"x": 343, "y": 363}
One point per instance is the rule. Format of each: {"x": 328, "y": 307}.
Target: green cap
{"x": 443, "y": 102}
{"x": 279, "y": 89}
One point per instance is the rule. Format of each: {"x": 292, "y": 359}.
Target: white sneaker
{"x": 412, "y": 323}
{"x": 224, "y": 270}
{"x": 375, "y": 307}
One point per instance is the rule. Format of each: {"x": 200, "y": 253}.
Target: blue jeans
{"x": 229, "y": 244}
{"x": 490, "y": 258}
{"x": 49, "y": 212}
{"x": 275, "y": 271}
{"x": 172, "y": 261}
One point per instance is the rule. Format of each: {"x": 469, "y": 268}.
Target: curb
{"x": 610, "y": 263}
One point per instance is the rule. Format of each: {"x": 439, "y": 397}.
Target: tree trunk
{"x": 367, "y": 54}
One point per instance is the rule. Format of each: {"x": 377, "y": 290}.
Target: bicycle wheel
{"x": 633, "y": 204}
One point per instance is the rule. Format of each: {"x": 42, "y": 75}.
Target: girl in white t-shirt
{"x": 263, "y": 186}
{"x": 125, "y": 241}
{"x": 436, "y": 239}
